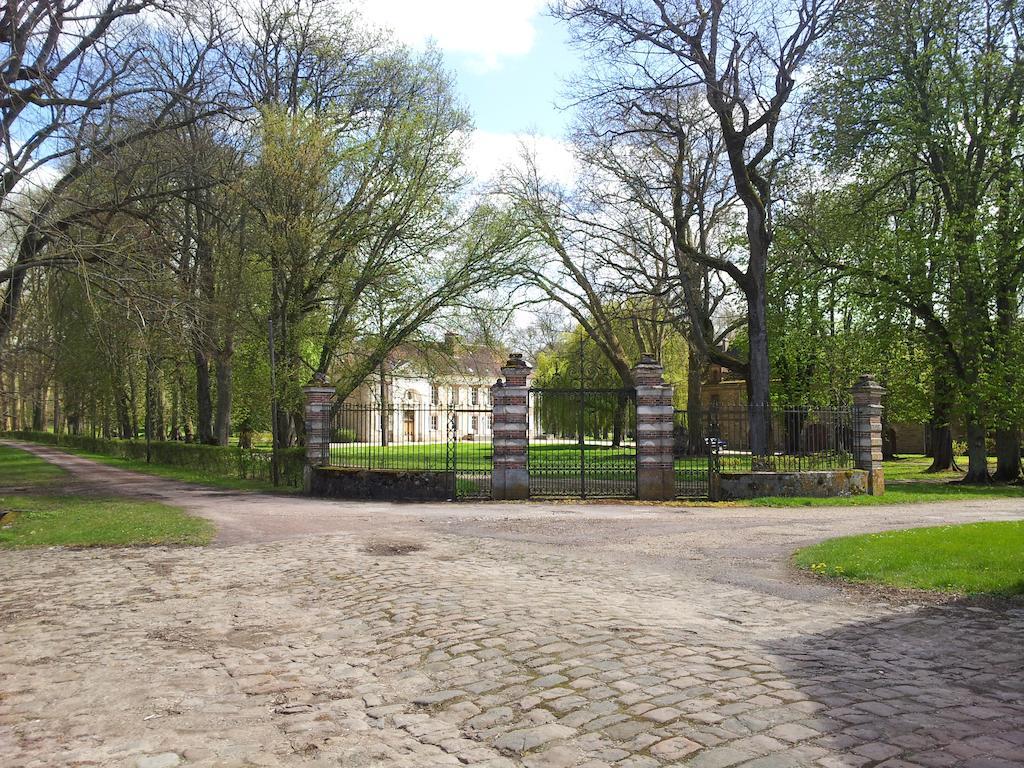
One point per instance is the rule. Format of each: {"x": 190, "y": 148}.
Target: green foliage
{"x": 343, "y": 435}
{"x": 979, "y": 558}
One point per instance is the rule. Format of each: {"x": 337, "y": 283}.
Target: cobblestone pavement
{"x": 491, "y": 635}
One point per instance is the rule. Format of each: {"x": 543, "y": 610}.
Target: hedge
{"x": 215, "y": 460}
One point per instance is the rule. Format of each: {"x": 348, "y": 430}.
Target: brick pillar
{"x": 510, "y": 405}
{"x": 319, "y": 396}
{"x": 867, "y": 431}
{"x": 655, "y": 476}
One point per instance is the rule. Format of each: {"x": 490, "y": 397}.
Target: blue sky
{"x": 521, "y": 93}
{"x": 510, "y": 60}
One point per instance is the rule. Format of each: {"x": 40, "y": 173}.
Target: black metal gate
{"x": 470, "y": 452}
{"x": 582, "y": 442}
{"x": 695, "y": 447}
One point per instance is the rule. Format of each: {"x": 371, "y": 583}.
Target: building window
{"x": 433, "y": 423}
{"x": 476, "y": 424}
{"x": 435, "y": 394}
{"x": 474, "y": 396}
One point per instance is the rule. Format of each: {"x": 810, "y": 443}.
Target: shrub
{"x": 343, "y": 435}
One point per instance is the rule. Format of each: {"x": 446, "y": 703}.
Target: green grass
{"x": 184, "y": 474}
{"x": 913, "y": 467}
{"x": 74, "y": 521}
{"x": 21, "y": 468}
{"x": 980, "y": 558}
{"x": 44, "y": 518}
{"x": 898, "y": 493}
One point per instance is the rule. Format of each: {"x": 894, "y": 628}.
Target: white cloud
{"x": 489, "y": 152}
{"x": 485, "y": 30}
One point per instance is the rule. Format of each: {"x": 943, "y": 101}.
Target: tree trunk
{"x": 385, "y": 414}
{"x": 1007, "y": 455}
{"x": 56, "y": 410}
{"x": 977, "y": 456}
{"x": 760, "y": 373}
{"x": 695, "y": 371}
{"x": 124, "y": 422}
{"x": 38, "y": 411}
{"x": 204, "y": 403}
{"x": 223, "y": 371}
{"x": 943, "y": 459}
{"x": 619, "y": 418}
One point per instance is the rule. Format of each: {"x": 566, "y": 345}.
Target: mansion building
{"x": 421, "y": 391}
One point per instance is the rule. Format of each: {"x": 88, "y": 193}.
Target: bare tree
{"x": 154, "y": 82}
{"x": 745, "y": 57}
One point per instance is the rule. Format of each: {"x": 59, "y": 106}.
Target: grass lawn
{"x": 184, "y": 474}
{"x": 44, "y": 517}
{"x": 898, "y": 493}
{"x": 21, "y": 468}
{"x": 979, "y": 558}
{"x": 913, "y": 467}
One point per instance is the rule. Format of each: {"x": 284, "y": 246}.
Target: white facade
{"x": 419, "y": 408}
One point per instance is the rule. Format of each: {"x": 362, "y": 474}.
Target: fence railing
{"x": 802, "y": 438}
{"x": 410, "y": 436}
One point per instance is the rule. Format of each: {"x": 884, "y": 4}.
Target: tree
{"x": 940, "y": 104}
{"x": 745, "y": 58}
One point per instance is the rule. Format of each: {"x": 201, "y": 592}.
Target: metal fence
{"x": 692, "y": 456}
{"x": 582, "y": 443}
{"x": 415, "y": 437}
{"x": 800, "y": 439}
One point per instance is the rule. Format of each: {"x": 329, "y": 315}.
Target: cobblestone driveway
{"x": 528, "y": 636}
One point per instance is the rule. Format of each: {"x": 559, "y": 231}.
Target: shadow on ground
{"x": 942, "y": 685}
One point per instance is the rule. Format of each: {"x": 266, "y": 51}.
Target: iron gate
{"x": 695, "y": 449}
{"x": 470, "y": 452}
{"x": 582, "y": 442}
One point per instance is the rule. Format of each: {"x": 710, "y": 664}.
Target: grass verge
{"x": 43, "y": 517}
{"x": 184, "y": 474}
{"x": 898, "y": 493}
{"x": 973, "y": 559}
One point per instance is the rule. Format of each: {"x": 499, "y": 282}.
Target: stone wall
{"x": 380, "y": 484}
{"x": 733, "y": 486}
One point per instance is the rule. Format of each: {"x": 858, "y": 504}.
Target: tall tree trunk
{"x": 124, "y": 422}
{"x": 619, "y": 418}
{"x": 1007, "y": 455}
{"x": 204, "y": 403}
{"x": 695, "y": 371}
{"x": 223, "y": 371}
{"x": 39, "y": 411}
{"x": 977, "y": 455}
{"x": 760, "y": 373}
{"x": 385, "y": 413}
{"x": 943, "y": 459}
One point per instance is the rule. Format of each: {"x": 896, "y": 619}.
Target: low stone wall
{"x": 819, "y": 484}
{"x": 380, "y": 484}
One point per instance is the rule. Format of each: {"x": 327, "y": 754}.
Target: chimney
{"x": 451, "y": 341}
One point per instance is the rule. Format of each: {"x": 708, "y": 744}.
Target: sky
{"x": 509, "y": 59}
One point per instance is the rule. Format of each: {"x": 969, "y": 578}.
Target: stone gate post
{"x": 319, "y": 397}
{"x": 867, "y": 431}
{"x": 655, "y": 476}
{"x": 510, "y": 406}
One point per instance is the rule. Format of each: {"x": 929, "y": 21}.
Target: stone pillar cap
{"x": 648, "y": 358}
{"x": 515, "y": 360}
{"x": 868, "y": 381}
